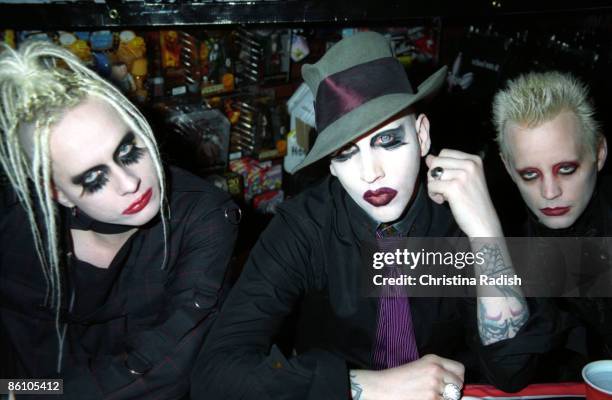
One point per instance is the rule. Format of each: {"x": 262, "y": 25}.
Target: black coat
{"x": 307, "y": 260}
{"x": 585, "y": 320}
{"x": 149, "y": 319}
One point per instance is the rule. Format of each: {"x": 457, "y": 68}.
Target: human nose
{"x": 127, "y": 181}
{"x": 551, "y": 188}
{"x": 371, "y": 169}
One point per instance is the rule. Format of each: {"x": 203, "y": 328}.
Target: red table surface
{"x": 535, "y": 391}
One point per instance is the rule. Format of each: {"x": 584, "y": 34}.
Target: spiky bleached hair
{"x": 538, "y": 97}
{"x": 38, "y": 83}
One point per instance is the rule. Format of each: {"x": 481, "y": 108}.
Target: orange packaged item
{"x": 130, "y": 49}
{"x": 170, "y": 49}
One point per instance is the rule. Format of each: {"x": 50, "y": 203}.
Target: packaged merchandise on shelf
{"x": 301, "y": 106}
{"x": 266, "y": 202}
{"x": 79, "y": 45}
{"x": 258, "y": 176}
{"x": 131, "y": 47}
{"x": 101, "y": 45}
{"x": 299, "y": 48}
{"x": 234, "y": 184}
{"x": 229, "y": 182}
{"x": 171, "y": 63}
{"x": 295, "y": 153}
{"x": 34, "y": 35}
{"x": 216, "y": 65}
{"x": 7, "y": 36}
{"x": 204, "y": 133}
{"x": 170, "y": 49}
{"x": 120, "y": 57}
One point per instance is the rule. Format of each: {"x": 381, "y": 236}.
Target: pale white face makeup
{"x": 379, "y": 170}
{"x": 554, "y": 172}
{"x": 100, "y": 166}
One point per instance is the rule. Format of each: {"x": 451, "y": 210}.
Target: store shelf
{"x": 116, "y": 13}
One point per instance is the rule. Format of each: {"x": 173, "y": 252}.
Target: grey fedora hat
{"x": 357, "y": 85}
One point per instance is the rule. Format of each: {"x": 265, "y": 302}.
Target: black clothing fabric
{"x": 308, "y": 260}
{"x": 132, "y": 316}
{"x": 586, "y": 320}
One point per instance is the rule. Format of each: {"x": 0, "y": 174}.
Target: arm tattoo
{"x": 493, "y": 329}
{"x": 356, "y": 389}
{"x": 491, "y": 326}
{"x": 494, "y": 263}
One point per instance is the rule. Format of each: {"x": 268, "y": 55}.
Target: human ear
{"x": 332, "y": 168}
{"x": 602, "y": 153}
{"x": 422, "y": 130}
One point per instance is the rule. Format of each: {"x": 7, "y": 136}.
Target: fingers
{"x": 440, "y": 189}
{"x": 446, "y": 370}
{"x": 449, "y": 174}
{"x": 450, "y": 153}
{"x": 458, "y": 168}
{"x": 455, "y": 368}
{"x": 440, "y": 372}
{"x": 453, "y": 159}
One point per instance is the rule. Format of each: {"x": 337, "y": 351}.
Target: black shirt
{"x": 144, "y": 318}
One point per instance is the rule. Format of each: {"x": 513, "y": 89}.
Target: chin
{"x": 143, "y": 217}
{"x": 558, "y": 222}
{"x": 384, "y": 216}
{"x": 147, "y": 215}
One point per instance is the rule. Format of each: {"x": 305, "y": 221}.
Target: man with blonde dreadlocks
{"x": 112, "y": 270}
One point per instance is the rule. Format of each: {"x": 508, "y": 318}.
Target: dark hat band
{"x": 344, "y": 91}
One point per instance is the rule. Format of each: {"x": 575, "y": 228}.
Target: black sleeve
{"x": 239, "y": 360}
{"x": 511, "y": 364}
{"x": 163, "y": 354}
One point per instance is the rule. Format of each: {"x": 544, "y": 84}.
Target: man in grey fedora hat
{"x": 306, "y": 261}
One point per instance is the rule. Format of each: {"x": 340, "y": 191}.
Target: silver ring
{"x": 436, "y": 173}
{"x": 451, "y": 392}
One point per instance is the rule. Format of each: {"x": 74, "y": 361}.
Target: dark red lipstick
{"x": 380, "y": 197}
{"x": 139, "y": 204}
{"x": 555, "y": 211}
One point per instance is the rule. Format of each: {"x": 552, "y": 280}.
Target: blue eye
{"x": 529, "y": 175}
{"x": 386, "y": 139}
{"x": 389, "y": 139}
{"x": 567, "y": 169}
{"x": 125, "y": 149}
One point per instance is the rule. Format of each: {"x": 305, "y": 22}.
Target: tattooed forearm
{"x": 494, "y": 263}
{"x": 503, "y": 311}
{"x": 497, "y": 327}
{"x": 356, "y": 389}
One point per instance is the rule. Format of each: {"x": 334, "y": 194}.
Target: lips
{"x": 380, "y": 197}
{"x": 555, "y": 211}
{"x": 139, "y": 204}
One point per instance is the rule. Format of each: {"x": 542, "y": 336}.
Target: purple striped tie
{"x": 395, "y": 341}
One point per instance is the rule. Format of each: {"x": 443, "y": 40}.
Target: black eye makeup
{"x": 389, "y": 139}
{"x": 93, "y": 179}
{"x": 127, "y": 152}
{"x": 345, "y": 153}
{"x": 96, "y": 178}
